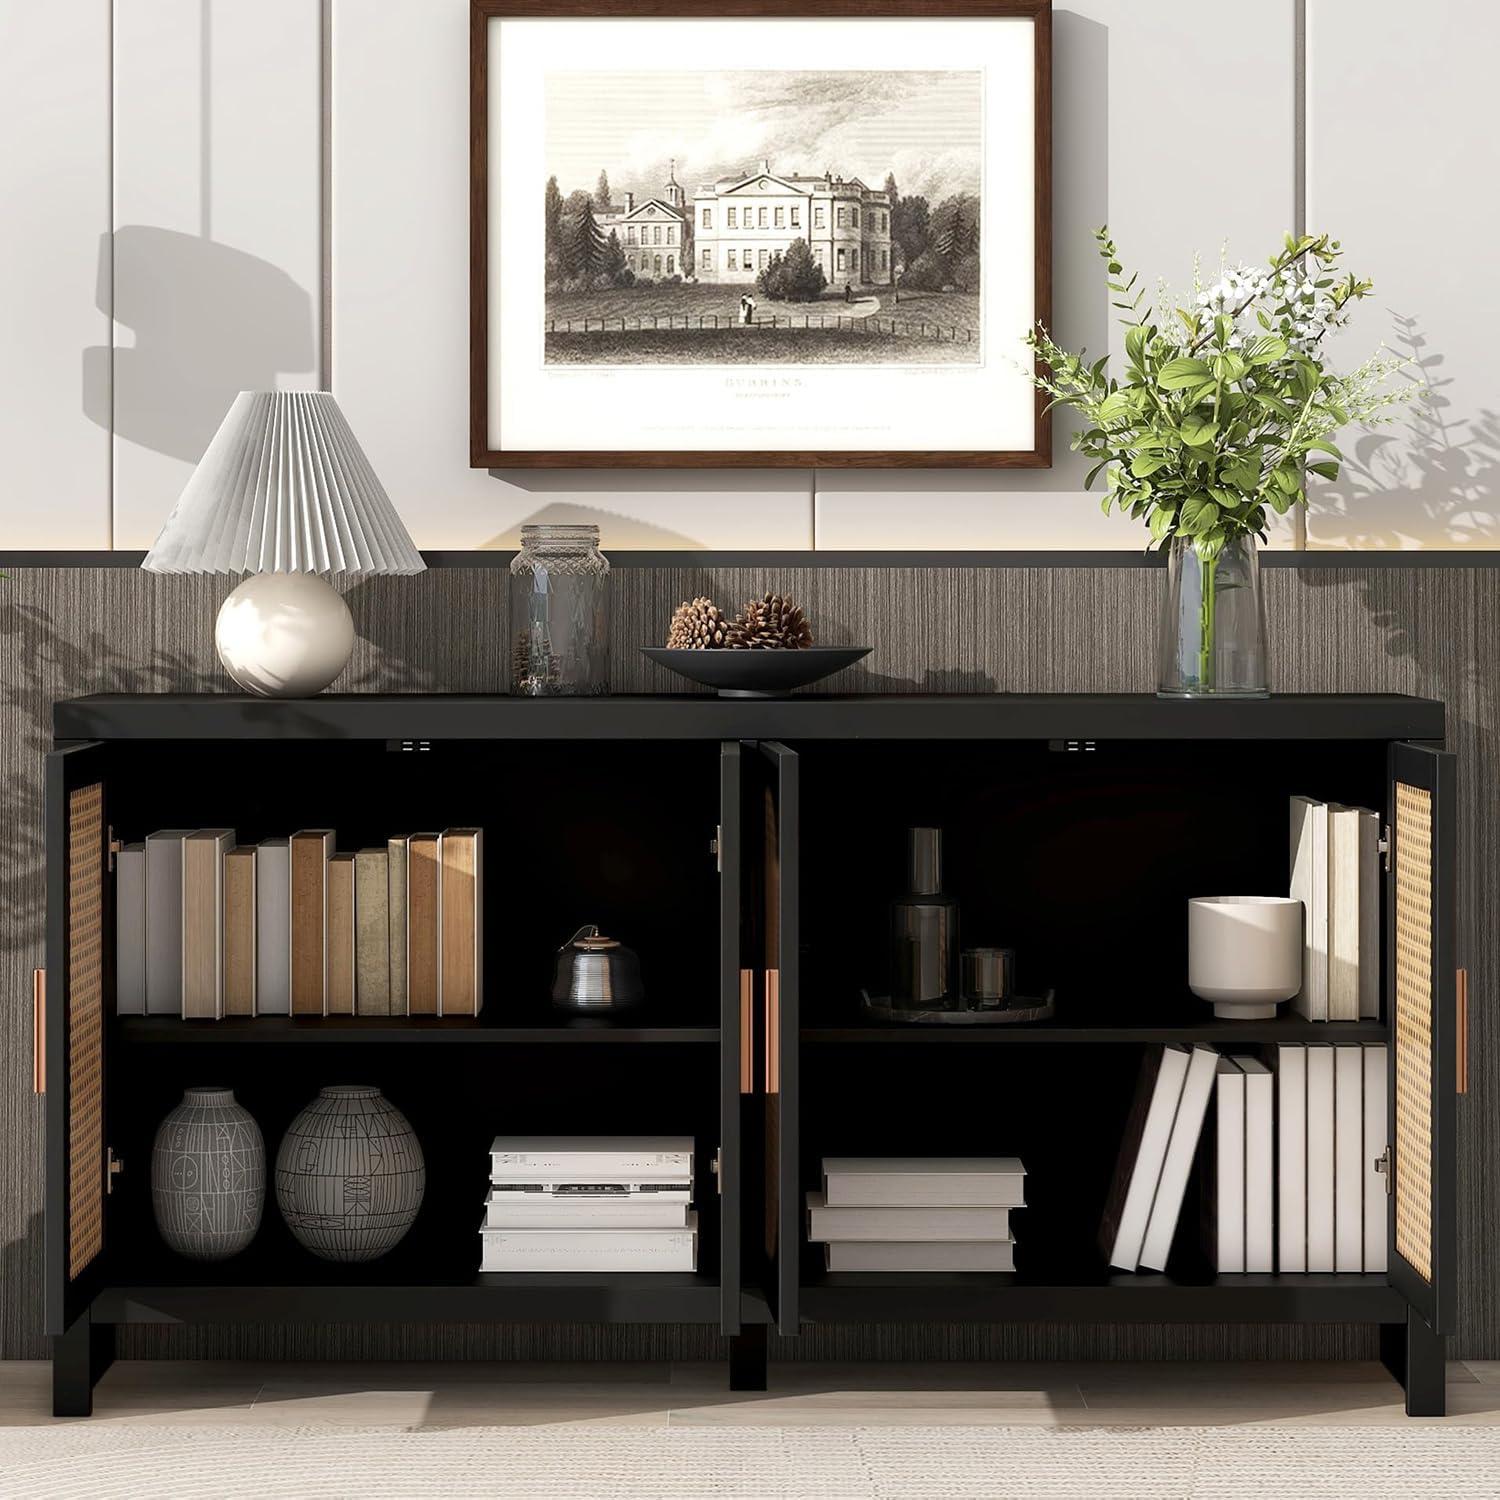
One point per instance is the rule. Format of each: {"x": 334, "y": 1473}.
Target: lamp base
{"x": 284, "y": 635}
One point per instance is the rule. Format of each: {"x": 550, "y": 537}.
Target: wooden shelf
{"x": 347, "y": 1030}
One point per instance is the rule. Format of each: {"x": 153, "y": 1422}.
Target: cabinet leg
{"x": 101, "y": 1350}
{"x": 747, "y": 1359}
{"x": 1417, "y": 1357}
{"x": 73, "y": 1370}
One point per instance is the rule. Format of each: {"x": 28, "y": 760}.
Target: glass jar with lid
{"x": 559, "y": 613}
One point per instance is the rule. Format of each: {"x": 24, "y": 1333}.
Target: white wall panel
{"x": 1403, "y": 162}
{"x": 401, "y": 318}
{"x": 1166, "y": 188}
{"x": 54, "y": 275}
{"x": 217, "y": 229}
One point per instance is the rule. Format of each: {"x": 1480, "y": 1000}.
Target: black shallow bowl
{"x": 757, "y": 674}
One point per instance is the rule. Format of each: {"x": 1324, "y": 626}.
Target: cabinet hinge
{"x": 716, "y": 847}
{"x": 113, "y": 849}
{"x": 1383, "y": 1166}
{"x": 113, "y": 1166}
{"x": 1384, "y": 846}
{"x": 714, "y": 1167}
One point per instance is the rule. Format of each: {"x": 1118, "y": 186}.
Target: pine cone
{"x": 772, "y": 623}
{"x": 697, "y": 625}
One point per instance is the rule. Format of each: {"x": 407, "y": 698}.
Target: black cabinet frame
{"x": 758, "y": 1282}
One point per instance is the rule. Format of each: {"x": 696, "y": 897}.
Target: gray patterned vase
{"x": 208, "y": 1176}
{"x": 350, "y": 1175}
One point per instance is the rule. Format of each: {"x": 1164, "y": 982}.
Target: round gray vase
{"x": 208, "y": 1175}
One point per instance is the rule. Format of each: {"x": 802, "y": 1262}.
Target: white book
{"x": 912, "y": 1181}
{"x": 1143, "y": 1149}
{"x": 1186, "y": 1128}
{"x": 561, "y": 1211}
{"x": 1260, "y": 1166}
{"x": 1309, "y": 885}
{"x": 614, "y": 1189}
{"x": 1320, "y": 1159}
{"x": 1343, "y": 913}
{"x": 1370, "y": 895}
{"x": 931, "y": 1255}
{"x": 1348, "y": 1157}
{"x": 1376, "y": 1135}
{"x": 591, "y": 1249}
{"x": 589, "y": 1156}
{"x": 130, "y": 931}
{"x": 1291, "y": 1157}
{"x": 1225, "y": 1207}
{"x": 164, "y": 921}
{"x": 273, "y": 928}
{"x": 909, "y": 1225}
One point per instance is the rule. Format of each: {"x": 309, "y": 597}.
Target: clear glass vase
{"x": 559, "y": 613}
{"x": 1213, "y": 623}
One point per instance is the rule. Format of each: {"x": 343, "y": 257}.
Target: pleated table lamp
{"x": 284, "y": 493}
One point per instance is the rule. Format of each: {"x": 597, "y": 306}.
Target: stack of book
{"x": 1288, "y": 1145}
{"x": 590, "y": 1203}
{"x": 917, "y": 1213}
{"x": 207, "y": 928}
{"x": 1335, "y": 873}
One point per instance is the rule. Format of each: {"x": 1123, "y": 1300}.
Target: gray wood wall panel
{"x": 1433, "y": 631}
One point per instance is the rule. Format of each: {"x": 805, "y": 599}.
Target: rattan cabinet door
{"x": 78, "y": 980}
{"x": 1421, "y": 996}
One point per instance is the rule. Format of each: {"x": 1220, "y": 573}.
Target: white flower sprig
{"x": 1228, "y": 402}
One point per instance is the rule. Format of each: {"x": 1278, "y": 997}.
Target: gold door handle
{"x": 38, "y": 1031}
{"x": 747, "y": 1031}
{"x": 1461, "y": 1051}
{"x": 773, "y": 1031}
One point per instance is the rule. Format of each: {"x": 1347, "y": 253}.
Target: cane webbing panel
{"x": 85, "y": 1026}
{"x": 1414, "y": 959}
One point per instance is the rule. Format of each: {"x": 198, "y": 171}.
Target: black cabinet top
{"x": 998, "y": 716}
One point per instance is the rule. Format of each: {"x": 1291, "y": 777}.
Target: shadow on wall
{"x": 209, "y": 322}
{"x": 1428, "y": 479}
{"x": 54, "y": 665}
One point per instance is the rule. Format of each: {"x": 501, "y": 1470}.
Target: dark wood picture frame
{"x": 482, "y": 456}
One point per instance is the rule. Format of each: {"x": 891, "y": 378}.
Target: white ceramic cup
{"x": 1244, "y": 953}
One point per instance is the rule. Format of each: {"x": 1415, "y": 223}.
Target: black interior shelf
{"x": 358, "y": 1030}
{"x": 595, "y": 1297}
{"x": 849, "y": 1297}
{"x": 1208, "y": 1031}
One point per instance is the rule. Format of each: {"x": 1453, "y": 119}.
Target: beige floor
{"x": 465, "y": 1395}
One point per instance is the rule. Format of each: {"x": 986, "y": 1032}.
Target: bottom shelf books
{"x": 917, "y": 1213}
{"x": 574, "y": 1203}
{"x": 1288, "y": 1144}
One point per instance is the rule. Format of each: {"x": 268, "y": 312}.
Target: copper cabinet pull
{"x": 747, "y": 1031}
{"x": 38, "y": 1031}
{"x": 773, "y": 1031}
{"x": 1461, "y": 1082}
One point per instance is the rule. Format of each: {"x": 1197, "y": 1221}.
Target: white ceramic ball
{"x": 284, "y": 635}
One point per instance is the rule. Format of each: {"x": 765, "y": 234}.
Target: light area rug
{"x": 759, "y": 1463}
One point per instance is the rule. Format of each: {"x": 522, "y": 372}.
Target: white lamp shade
{"x": 284, "y": 488}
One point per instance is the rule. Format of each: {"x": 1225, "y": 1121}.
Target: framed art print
{"x": 759, "y": 232}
